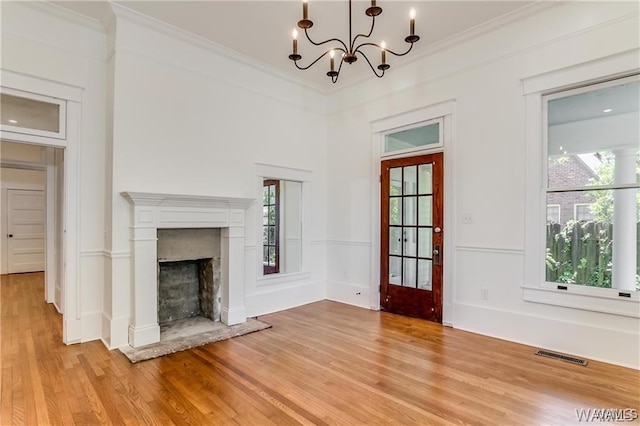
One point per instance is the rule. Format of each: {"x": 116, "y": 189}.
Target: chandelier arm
{"x": 317, "y": 59}
{"x": 306, "y": 33}
{"x": 369, "y": 62}
{"x": 386, "y": 50}
{"x": 373, "y": 23}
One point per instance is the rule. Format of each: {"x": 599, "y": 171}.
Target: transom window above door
{"x": 423, "y": 136}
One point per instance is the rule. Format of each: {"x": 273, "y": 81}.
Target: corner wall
{"x": 483, "y": 74}
{"x": 188, "y": 119}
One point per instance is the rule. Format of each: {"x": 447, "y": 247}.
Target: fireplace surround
{"x": 153, "y": 211}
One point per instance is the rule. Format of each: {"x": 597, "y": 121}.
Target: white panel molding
{"x": 274, "y": 299}
{"x": 352, "y": 243}
{"x": 94, "y": 253}
{"x": 122, "y": 12}
{"x": 91, "y": 326}
{"x": 495, "y": 250}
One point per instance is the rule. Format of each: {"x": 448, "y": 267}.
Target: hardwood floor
{"x": 324, "y": 364}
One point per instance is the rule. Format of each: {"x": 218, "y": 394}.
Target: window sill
{"x": 275, "y": 279}
{"x": 588, "y": 299}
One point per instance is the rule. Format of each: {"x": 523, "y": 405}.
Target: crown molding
{"x": 458, "y": 39}
{"x": 123, "y": 12}
{"x": 65, "y": 14}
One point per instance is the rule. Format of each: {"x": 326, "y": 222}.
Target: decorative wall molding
{"x": 493, "y": 250}
{"x": 352, "y": 243}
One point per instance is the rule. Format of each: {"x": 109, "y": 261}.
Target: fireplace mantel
{"x": 153, "y": 211}
{"x": 175, "y": 200}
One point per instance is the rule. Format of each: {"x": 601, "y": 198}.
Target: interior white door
{"x": 25, "y": 226}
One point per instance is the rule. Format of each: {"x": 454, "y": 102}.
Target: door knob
{"x": 10, "y": 235}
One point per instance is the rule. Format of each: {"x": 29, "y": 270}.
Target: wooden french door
{"x": 411, "y": 236}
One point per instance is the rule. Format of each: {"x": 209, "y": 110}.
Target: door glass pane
{"x": 425, "y": 177}
{"x": 409, "y": 278}
{"x": 395, "y": 240}
{"x": 395, "y": 181}
{"x": 272, "y": 215}
{"x": 272, "y": 235}
{"x": 410, "y": 180}
{"x": 272, "y": 255}
{"x": 265, "y": 236}
{"x": 265, "y": 255}
{"x": 272, "y": 194}
{"x": 424, "y": 242}
{"x": 395, "y": 211}
{"x": 265, "y": 215}
{"x": 410, "y": 241}
{"x": 424, "y": 210}
{"x": 424, "y": 274}
{"x": 29, "y": 113}
{"x": 395, "y": 271}
{"x": 410, "y": 210}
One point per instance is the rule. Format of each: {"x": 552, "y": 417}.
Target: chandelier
{"x": 351, "y": 50}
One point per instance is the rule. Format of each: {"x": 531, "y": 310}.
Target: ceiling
{"x": 261, "y": 30}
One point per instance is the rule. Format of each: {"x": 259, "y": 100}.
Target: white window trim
{"x": 269, "y": 171}
{"x": 62, "y": 117}
{"x": 535, "y": 289}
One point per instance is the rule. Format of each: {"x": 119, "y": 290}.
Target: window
{"x": 32, "y": 114}
{"x": 593, "y": 168}
{"x": 582, "y": 213}
{"x": 553, "y": 213}
{"x": 425, "y": 135}
{"x": 271, "y": 226}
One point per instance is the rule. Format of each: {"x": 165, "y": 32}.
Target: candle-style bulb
{"x": 305, "y": 10}
{"x": 331, "y": 62}
{"x": 383, "y": 47}
{"x": 412, "y": 22}
{"x": 294, "y": 34}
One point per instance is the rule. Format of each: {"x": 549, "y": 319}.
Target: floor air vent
{"x": 562, "y": 357}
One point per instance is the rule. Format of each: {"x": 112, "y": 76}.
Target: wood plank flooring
{"x": 321, "y": 364}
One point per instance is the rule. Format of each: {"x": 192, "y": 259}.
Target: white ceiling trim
{"x": 65, "y": 14}
{"x": 457, "y": 39}
{"x": 198, "y": 41}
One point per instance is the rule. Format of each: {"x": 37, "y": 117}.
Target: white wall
{"x": 483, "y": 74}
{"x": 187, "y": 119}
{"x": 40, "y": 41}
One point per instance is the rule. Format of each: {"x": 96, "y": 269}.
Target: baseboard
{"x": 600, "y": 344}
{"x": 91, "y": 326}
{"x": 281, "y": 298}
{"x": 348, "y": 293}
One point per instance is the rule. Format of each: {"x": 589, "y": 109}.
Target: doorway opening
{"x": 31, "y": 230}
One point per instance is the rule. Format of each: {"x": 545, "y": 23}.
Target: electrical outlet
{"x": 484, "y": 294}
{"x": 467, "y": 218}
